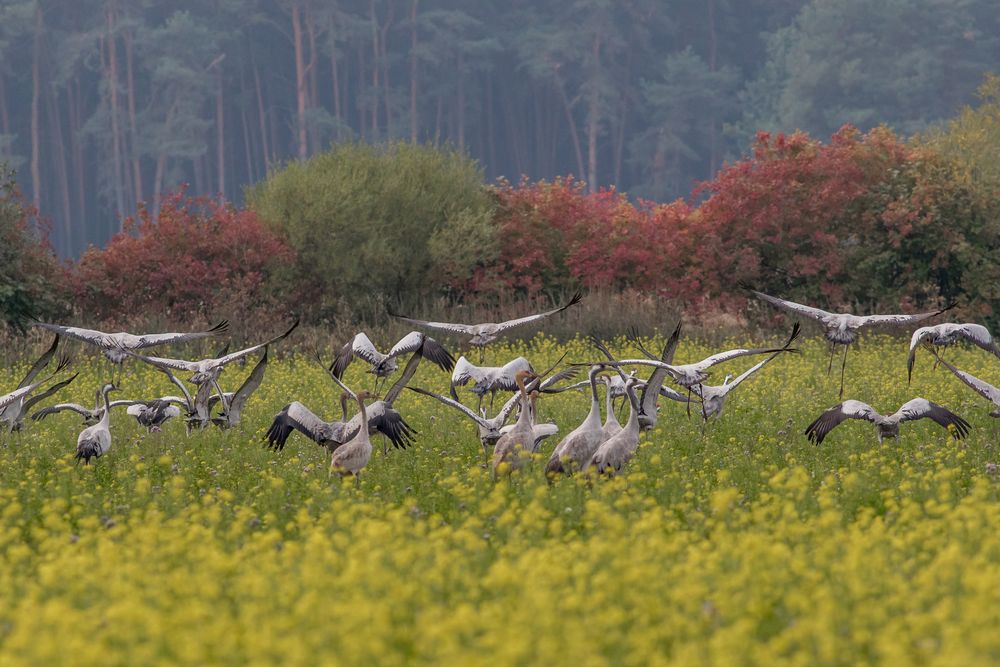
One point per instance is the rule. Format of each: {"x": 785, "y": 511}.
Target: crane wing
{"x": 34, "y": 400}
{"x": 898, "y": 319}
{"x": 60, "y": 407}
{"x": 453, "y": 404}
{"x": 510, "y": 324}
{"x": 919, "y": 408}
{"x": 296, "y": 417}
{"x": 792, "y": 307}
{"x": 163, "y": 363}
{"x": 651, "y": 390}
{"x": 981, "y": 387}
{"x": 149, "y": 340}
{"x": 427, "y": 347}
{"x": 838, "y": 414}
{"x": 249, "y": 385}
{"x": 229, "y": 358}
{"x": 979, "y": 336}
{"x": 443, "y": 326}
{"x": 40, "y": 363}
{"x": 91, "y": 336}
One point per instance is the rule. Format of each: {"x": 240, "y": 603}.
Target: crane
{"x": 844, "y": 328}
{"x": 886, "y": 425}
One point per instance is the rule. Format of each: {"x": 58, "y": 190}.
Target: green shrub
{"x": 394, "y": 220}
{"x": 32, "y": 281}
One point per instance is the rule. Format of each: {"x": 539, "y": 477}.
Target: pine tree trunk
{"x": 36, "y": 183}
{"x": 59, "y": 161}
{"x": 375, "y": 70}
{"x": 116, "y": 143}
{"x": 220, "y": 135}
{"x": 261, "y": 116}
{"x": 413, "y": 71}
{"x": 335, "y": 77}
{"x": 300, "y": 82}
{"x": 133, "y": 125}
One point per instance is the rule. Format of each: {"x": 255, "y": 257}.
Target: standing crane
{"x": 844, "y": 328}
{"x": 513, "y": 445}
{"x": 616, "y": 451}
{"x": 95, "y": 441}
{"x": 352, "y": 457}
{"x": 486, "y": 332}
{"x": 574, "y": 451}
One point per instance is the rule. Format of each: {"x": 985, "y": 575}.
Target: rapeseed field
{"x": 743, "y": 546}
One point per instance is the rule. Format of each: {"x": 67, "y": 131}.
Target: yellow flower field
{"x": 745, "y": 546}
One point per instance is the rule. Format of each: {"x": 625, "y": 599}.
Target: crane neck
{"x": 363, "y": 431}
{"x": 106, "y": 417}
{"x": 633, "y": 409}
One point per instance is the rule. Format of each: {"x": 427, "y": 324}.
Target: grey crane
{"x": 616, "y": 451}
{"x": 208, "y": 370}
{"x": 487, "y": 379}
{"x": 490, "y": 428}
{"x": 886, "y": 425}
{"x": 384, "y": 365}
{"x": 13, "y": 414}
{"x": 844, "y": 328}
{"x": 95, "y": 441}
{"x": 949, "y": 333}
{"x": 611, "y": 423}
{"x": 15, "y": 405}
{"x": 691, "y": 375}
{"x": 511, "y": 447}
{"x": 578, "y": 446}
{"x": 486, "y": 332}
{"x": 381, "y": 415}
{"x": 115, "y": 345}
{"x": 713, "y": 397}
{"x": 352, "y": 457}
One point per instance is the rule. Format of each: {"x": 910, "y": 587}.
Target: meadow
{"x": 747, "y": 545}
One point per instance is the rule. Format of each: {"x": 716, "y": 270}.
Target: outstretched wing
{"x": 443, "y": 326}
{"x": 792, "y": 307}
{"x": 249, "y": 385}
{"x": 654, "y": 386}
{"x": 229, "y": 358}
{"x": 60, "y": 407}
{"x": 34, "y": 400}
{"x": 838, "y": 414}
{"x": 163, "y": 363}
{"x": 981, "y": 387}
{"x": 428, "y": 348}
{"x": 510, "y": 324}
{"x": 40, "y": 363}
{"x": 899, "y": 319}
{"x": 295, "y": 417}
{"x": 149, "y": 340}
{"x": 91, "y": 336}
{"x": 452, "y": 404}
{"x": 919, "y": 408}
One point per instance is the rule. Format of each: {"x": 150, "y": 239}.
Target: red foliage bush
{"x": 199, "y": 259}
{"x": 555, "y": 235}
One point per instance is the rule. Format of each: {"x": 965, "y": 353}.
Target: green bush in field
{"x": 394, "y": 219}
{"x": 31, "y": 279}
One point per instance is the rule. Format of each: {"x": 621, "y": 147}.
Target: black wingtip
{"x": 221, "y": 327}
{"x": 575, "y": 300}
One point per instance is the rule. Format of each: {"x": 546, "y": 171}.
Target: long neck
{"x": 595, "y": 403}
{"x": 363, "y": 432}
{"x": 106, "y": 417}
{"x": 633, "y": 413}
{"x": 609, "y": 404}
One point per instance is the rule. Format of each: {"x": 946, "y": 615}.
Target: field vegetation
{"x": 742, "y": 545}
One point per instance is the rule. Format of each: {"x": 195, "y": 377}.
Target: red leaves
{"x": 197, "y": 258}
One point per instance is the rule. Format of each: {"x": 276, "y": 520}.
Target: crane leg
{"x": 843, "y": 365}
{"x": 833, "y": 350}
{"x": 482, "y": 354}
{"x": 689, "y": 403}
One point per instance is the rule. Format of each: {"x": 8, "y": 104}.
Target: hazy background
{"x": 106, "y": 103}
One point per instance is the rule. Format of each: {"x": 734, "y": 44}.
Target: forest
{"x": 105, "y": 104}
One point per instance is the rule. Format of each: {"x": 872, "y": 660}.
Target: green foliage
{"x": 31, "y": 279}
{"x": 395, "y": 219}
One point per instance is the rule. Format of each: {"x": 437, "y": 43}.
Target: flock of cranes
{"x": 602, "y": 445}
